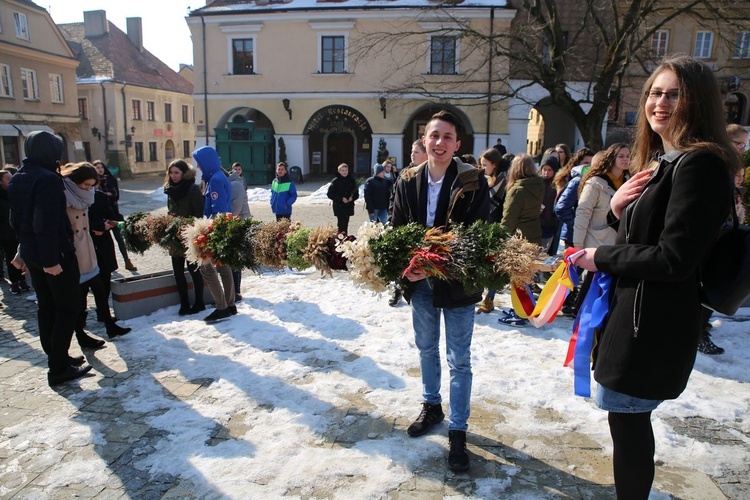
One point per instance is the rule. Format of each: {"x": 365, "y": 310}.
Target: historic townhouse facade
{"x": 313, "y": 75}
{"x": 724, "y": 47}
{"x": 37, "y": 81}
{"x": 136, "y": 112}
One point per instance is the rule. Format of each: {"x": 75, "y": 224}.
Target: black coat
{"x": 38, "y": 212}
{"x": 185, "y": 198}
{"x": 649, "y": 344}
{"x": 340, "y": 188}
{"x": 104, "y": 247}
{"x": 466, "y": 200}
{"x": 377, "y": 193}
{"x": 6, "y": 232}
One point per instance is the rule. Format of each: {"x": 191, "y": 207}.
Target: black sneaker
{"x": 395, "y": 297}
{"x": 706, "y": 345}
{"x": 429, "y": 416}
{"x": 15, "y": 289}
{"x": 458, "y": 456}
{"x": 232, "y": 310}
{"x": 217, "y": 315}
{"x": 24, "y": 286}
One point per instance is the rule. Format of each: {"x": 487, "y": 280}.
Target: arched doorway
{"x": 535, "y": 133}
{"x": 558, "y": 126}
{"x": 416, "y": 125}
{"x": 339, "y": 134}
{"x": 169, "y": 151}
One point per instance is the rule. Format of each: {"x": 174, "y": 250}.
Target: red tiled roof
{"x": 114, "y": 56}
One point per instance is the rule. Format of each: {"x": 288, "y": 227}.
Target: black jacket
{"x": 649, "y": 344}
{"x": 100, "y": 211}
{"x": 185, "y": 199}
{"x": 377, "y": 193}
{"x": 37, "y": 202}
{"x": 340, "y": 188}
{"x": 6, "y": 232}
{"x": 464, "y": 198}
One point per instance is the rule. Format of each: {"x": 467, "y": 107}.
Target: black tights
{"x": 633, "y": 457}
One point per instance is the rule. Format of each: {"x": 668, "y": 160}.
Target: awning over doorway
{"x": 27, "y": 129}
{"x": 8, "y": 130}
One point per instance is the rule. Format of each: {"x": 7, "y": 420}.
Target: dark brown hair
{"x": 697, "y": 121}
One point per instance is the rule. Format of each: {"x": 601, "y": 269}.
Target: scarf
{"x": 179, "y": 190}
{"x": 77, "y": 197}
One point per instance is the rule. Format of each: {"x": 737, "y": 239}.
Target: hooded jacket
{"x": 592, "y": 229}
{"x": 37, "y": 202}
{"x": 283, "y": 195}
{"x": 464, "y": 199}
{"x": 218, "y": 195}
{"x": 239, "y": 196}
{"x": 567, "y": 202}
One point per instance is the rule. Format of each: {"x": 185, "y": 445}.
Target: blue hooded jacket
{"x": 218, "y": 195}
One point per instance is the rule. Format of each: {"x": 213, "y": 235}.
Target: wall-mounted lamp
{"x": 95, "y": 132}
{"x": 285, "y": 102}
{"x": 132, "y": 129}
{"x": 382, "y": 106}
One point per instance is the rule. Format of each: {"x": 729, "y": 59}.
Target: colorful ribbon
{"x": 590, "y": 317}
{"x": 545, "y": 309}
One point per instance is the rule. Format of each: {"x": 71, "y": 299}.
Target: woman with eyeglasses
{"x": 667, "y": 221}
{"x": 79, "y": 180}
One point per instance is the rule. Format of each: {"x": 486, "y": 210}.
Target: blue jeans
{"x": 379, "y": 214}
{"x": 459, "y": 327}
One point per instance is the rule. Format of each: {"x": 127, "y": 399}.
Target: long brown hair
{"x": 697, "y": 122}
{"x": 609, "y": 157}
{"x": 563, "y": 175}
{"x": 493, "y": 156}
{"x": 182, "y": 165}
{"x": 521, "y": 167}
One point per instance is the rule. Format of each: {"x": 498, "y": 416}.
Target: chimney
{"x": 135, "y": 32}
{"x": 95, "y": 23}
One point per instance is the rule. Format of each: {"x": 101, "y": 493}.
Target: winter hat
{"x": 550, "y": 160}
{"x": 378, "y": 168}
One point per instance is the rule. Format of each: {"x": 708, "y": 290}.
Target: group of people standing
{"x": 647, "y": 233}
{"x": 62, "y": 224}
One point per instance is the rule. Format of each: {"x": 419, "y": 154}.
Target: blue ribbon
{"x": 593, "y": 312}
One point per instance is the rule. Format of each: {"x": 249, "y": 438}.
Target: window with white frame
{"x": 152, "y": 152}
{"x": 243, "y": 56}
{"x": 22, "y": 25}
{"x": 704, "y": 41}
{"x": 138, "y": 150}
{"x": 660, "y": 43}
{"x": 30, "y": 88}
{"x": 167, "y": 111}
{"x": 6, "y": 82}
{"x": 56, "y": 87}
{"x": 742, "y": 47}
{"x": 185, "y": 114}
{"x": 333, "y": 54}
{"x": 150, "y": 111}
{"x": 443, "y": 55}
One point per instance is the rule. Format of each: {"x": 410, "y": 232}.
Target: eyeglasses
{"x": 655, "y": 95}
{"x": 739, "y": 145}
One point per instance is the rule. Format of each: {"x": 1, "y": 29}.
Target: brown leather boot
{"x": 488, "y": 305}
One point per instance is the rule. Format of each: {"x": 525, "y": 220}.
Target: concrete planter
{"x": 141, "y": 295}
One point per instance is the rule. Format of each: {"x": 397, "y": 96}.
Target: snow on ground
{"x": 308, "y": 358}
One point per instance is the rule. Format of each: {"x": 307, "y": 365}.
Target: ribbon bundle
{"x": 545, "y": 309}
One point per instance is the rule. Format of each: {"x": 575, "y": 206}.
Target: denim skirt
{"x": 617, "y": 402}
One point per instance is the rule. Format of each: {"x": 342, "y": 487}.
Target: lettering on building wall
{"x": 346, "y": 118}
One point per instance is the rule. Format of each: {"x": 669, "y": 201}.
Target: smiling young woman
{"x": 668, "y": 221}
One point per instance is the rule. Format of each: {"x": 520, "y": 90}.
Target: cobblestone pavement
{"x": 569, "y": 466}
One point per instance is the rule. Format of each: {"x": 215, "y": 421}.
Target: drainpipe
{"x": 106, "y": 124}
{"x": 489, "y": 79}
{"x": 205, "y": 80}
{"x": 128, "y": 173}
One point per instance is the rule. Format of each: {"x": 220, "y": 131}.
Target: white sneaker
{"x": 31, "y": 298}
